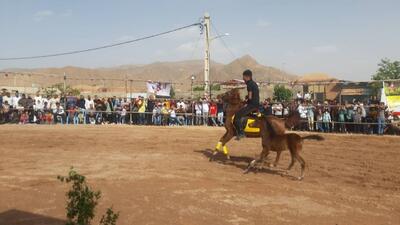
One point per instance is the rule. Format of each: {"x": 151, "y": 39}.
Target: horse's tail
{"x": 313, "y": 137}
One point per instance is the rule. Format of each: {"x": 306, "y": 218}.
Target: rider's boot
{"x": 239, "y": 134}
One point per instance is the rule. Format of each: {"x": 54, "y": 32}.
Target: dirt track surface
{"x": 156, "y": 175}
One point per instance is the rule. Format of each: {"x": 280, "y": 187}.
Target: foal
{"x": 278, "y": 143}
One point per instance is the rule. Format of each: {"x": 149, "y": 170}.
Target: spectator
{"x": 24, "y": 118}
{"x": 277, "y": 109}
{"x": 14, "y": 100}
{"x": 59, "y": 114}
{"x": 381, "y": 117}
{"x": 180, "y": 115}
{"x": 123, "y": 115}
{"x": 205, "y": 111}
{"x": 172, "y": 116}
{"x": 299, "y": 97}
{"x": 164, "y": 114}
{"x": 307, "y": 96}
{"x": 220, "y": 112}
{"x": 5, "y": 111}
{"x": 319, "y": 120}
{"x": 341, "y": 119}
{"x": 310, "y": 116}
{"x": 303, "y": 115}
{"x": 141, "y": 110}
{"x": 357, "y": 120}
{"x": 52, "y": 102}
{"x": 199, "y": 110}
{"x": 213, "y": 113}
{"x": 156, "y": 118}
{"x": 326, "y": 119}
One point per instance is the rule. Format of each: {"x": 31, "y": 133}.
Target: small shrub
{"x": 82, "y": 201}
{"x": 110, "y": 218}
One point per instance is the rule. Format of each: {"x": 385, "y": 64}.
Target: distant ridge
{"x": 178, "y": 72}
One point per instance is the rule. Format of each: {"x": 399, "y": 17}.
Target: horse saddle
{"x": 246, "y": 121}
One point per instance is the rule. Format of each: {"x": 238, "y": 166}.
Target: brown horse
{"x": 234, "y": 103}
{"x": 278, "y": 143}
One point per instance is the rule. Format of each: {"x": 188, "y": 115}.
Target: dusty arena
{"x": 162, "y": 175}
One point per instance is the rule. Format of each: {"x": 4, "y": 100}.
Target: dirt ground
{"x": 156, "y": 175}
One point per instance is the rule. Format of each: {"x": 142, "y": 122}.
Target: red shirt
{"x": 213, "y": 110}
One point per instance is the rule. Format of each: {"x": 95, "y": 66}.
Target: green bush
{"x": 110, "y": 218}
{"x": 82, "y": 201}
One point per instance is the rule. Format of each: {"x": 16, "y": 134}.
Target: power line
{"x": 101, "y": 47}
{"x": 224, "y": 43}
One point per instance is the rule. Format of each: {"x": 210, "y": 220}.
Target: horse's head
{"x": 231, "y": 97}
{"x": 293, "y": 120}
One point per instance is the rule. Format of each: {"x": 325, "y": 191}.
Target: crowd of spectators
{"x": 350, "y": 117}
{"x": 69, "y": 109}
{"x": 329, "y": 116}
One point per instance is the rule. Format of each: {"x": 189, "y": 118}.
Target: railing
{"x": 166, "y": 119}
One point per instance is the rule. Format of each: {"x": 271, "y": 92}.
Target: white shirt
{"x": 52, "y": 103}
{"x": 179, "y": 104}
{"x": 303, "y": 111}
{"x": 14, "y": 101}
{"x": 123, "y": 112}
{"x": 172, "y": 113}
{"x": 198, "y": 108}
{"x": 89, "y": 104}
{"x": 278, "y": 109}
{"x": 206, "y": 108}
{"x": 59, "y": 110}
{"x": 6, "y": 98}
{"x": 37, "y": 98}
{"x": 39, "y": 103}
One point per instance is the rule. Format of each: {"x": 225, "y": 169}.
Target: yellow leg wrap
{"x": 225, "y": 149}
{"x": 219, "y": 146}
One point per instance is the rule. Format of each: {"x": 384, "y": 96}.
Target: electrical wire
{"x": 224, "y": 43}
{"x": 101, "y": 47}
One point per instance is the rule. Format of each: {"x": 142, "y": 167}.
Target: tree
{"x": 59, "y": 88}
{"x": 281, "y": 93}
{"x": 387, "y": 70}
{"x": 172, "y": 92}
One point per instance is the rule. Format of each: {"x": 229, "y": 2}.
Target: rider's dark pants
{"x": 241, "y": 113}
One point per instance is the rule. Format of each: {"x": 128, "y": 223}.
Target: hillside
{"x": 177, "y": 72}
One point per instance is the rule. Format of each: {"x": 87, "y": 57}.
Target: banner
{"x": 393, "y": 103}
{"x": 158, "y": 88}
{"x": 392, "y": 94}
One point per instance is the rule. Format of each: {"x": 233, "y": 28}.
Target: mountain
{"x": 177, "y": 72}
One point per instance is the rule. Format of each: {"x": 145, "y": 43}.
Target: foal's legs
{"x": 294, "y": 152}
{"x": 303, "y": 166}
{"x": 261, "y": 160}
{"x": 278, "y": 155}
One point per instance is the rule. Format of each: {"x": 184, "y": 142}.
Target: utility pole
{"x": 126, "y": 85}
{"x": 65, "y": 82}
{"x": 206, "y": 52}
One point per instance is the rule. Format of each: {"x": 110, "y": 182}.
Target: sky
{"x": 344, "y": 38}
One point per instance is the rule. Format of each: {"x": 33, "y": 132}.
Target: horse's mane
{"x": 232, "y": 96}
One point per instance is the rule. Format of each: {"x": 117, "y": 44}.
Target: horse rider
{"x": 252, "y": 103}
